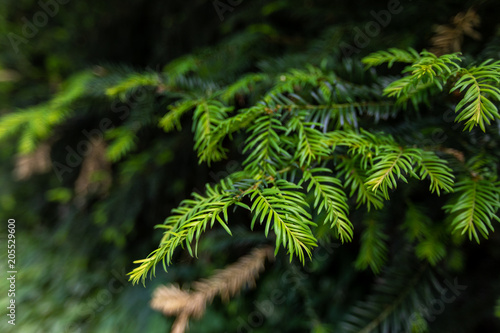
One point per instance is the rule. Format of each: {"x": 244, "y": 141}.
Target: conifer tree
{"x": 277, "y": 145}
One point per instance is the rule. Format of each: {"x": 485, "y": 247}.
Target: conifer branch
{"x": 474, "y": 207}
{"x": 355, "y": 178}
{"x": 282, "y": 207}
{"x": 481, "y": 87}
{"x": 373, "y": 251}
{"x": 330, "y": 198}
{"x": 186, "y": 225}
{"x": 437, "y": 170}
{"x": 266, "y": 151}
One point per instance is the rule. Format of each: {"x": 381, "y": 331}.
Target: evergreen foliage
{"x": 327, "y": 149}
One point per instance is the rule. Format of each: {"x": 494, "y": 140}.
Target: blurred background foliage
{"x": 73, "y": 251}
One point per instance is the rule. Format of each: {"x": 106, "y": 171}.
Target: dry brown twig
{"x": 455, "y": 153}
{"x": 173, "y": 301}
{"x": 95, "y": 162}
{"x": 37, "y": 162}
{"x": 449, "y": 38}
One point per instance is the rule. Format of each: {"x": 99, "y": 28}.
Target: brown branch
{"x": 449, "y": 38}
{"x": 37, "y": 162}
{"x": 173, "y": 301}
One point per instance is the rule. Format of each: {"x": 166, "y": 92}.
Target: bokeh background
{"x": 74, "y": 250}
